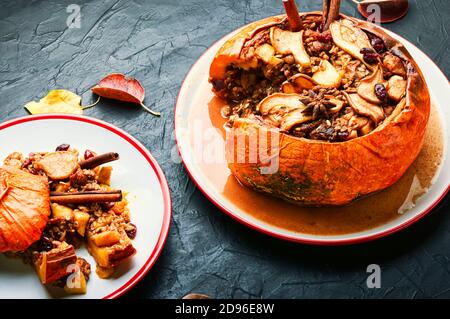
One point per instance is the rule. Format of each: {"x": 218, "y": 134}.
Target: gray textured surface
{"x": 157, "y": 41}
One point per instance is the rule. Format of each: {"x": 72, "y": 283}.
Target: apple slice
{"x": 283, "y": 110}
{"x": 396, "y": 88}
{"x": 327, "y": 75}
{"x": 280, "y": 101}
{"x": 350, "y": 38}
{"x": 366, "y": 87}
{"x": 288, "y": 87}
{"x": 297, "y": 83}
{"x": 362, "y": 107}
{"x": 294, "y": 118}
{"x": 339, "y": 104}
{"x": 265, "y": 52}
{"x": 287, "y": 42}
{"x": 58, "y": 165}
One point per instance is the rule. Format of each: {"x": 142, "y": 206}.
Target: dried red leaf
{"x": 117, "y": 87}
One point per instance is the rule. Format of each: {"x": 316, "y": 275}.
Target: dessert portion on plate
{"x": 53, "y": 202}
{"x": 338, "y": 106}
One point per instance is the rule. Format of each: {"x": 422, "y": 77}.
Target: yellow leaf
{"x": 56, "y": 101}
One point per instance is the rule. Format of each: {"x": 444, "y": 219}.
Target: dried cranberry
{"x": 63, "y": 147}
{"x": 324, "y": 37}
{"x": 44, "y": 244}
{"x": 366, "y": 50}
{"x": 26, "y": 163}
{"x": 378, "y": 44}
{"x": 88, "y": 154}
{"x": 370, "y": 57}
{"x": 380, "y": 91}
{"x": 131, "y": 233}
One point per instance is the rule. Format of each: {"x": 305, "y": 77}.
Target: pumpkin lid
{"x": 24, "y": 208}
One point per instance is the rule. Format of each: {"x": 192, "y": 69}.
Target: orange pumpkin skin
{"x": 24, "y": 208}
{"x": 318, "y": 173}
{"x": 230, "y": 52}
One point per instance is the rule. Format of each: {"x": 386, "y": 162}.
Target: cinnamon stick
{"x": 330, "y": 13}
{"x": 99, "y": 160}
{"x": 334, "y": 11}
{"x": 86, "y": 197}
{"x": 325, "y": 10}
{"x": 295, "y": 21}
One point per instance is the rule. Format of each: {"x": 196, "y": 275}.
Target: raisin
{"x": 324, "y": 37}
{"x": 366, "y": 50}
{"x": 44, "y": 244}
{"x": 371, "y": 58}
{"x": 26, "y": 163}
{"x": 369, "y": 55}
{"x": 378, "y": 44}
{"x": 131, "y": 231}
{"x": 63, "y": 147}
{"x": 380, "y": 91}
{"x": 342, "y": 136}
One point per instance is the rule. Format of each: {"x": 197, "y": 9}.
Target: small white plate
{"x": 135, "y": 172}
{"x": 196, "y": 84}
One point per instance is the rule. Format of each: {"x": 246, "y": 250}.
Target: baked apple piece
{"x": 396, "y": 88}
{"x": 287, "y": 42}
{"x": 54, "y": 264}
{"x": 109, "y": 239}
{"x": 58, "y": 165}
{"x": 350, "y": 38}
{"x": 298, "y": 83}
{"x": 327, "y": 75}
{"x": 366, "y": 87}
{"x": 111, "y": 250}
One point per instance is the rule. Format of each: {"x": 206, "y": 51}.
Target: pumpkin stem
{"x": 91, "y": 105}
{"x": 150, "y": 111}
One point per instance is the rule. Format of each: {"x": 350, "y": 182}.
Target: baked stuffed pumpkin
{"x": 344, "y": 102}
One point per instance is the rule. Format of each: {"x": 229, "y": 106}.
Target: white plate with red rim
{"x": 197, "y": 79}
{"x": 136, "y": 172}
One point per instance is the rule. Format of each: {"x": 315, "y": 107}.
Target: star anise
{"x": 316, "y": 104}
